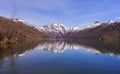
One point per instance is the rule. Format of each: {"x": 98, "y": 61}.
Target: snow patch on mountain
{"x": 54, "y": 30}
{"x": 61, "y": 46}
{"x": 91, "y": 26}
{"x": 22, "y": 21}
{"x": 59, "y": 30}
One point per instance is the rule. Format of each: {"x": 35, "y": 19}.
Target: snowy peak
{"x": 59, "y": 30}
{"x": 95, "y": 24}
{"x": 58, "y": 27}
{"x": 54, "y": 30}
{"x": 118, "y": 21}
{"x": 60, "y": 46}
{"x": 110, "y": 22}
{"x": 92, "y": 25}
{"x": 53, "y": 27}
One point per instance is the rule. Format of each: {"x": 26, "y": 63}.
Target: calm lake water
{"x": 62, "y": 57}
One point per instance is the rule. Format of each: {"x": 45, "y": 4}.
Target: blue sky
{"x": 71, "y": 13}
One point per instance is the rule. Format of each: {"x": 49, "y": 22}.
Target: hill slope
{"x": 102, "y": 31}
{"x": 14, "y": 31}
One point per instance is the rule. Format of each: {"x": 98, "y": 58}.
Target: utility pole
{"x": 14, "y": 10}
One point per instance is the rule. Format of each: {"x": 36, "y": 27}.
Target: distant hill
{"x": 102, "y": 31}
{"x": 105, "y": 31}
{"x": 15, "y": 31}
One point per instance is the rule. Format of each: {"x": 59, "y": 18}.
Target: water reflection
{"x": 94, "y": 46}
{"x": 17, "y": 50}
{"x": 12, "y": 53}
{"x": 58, "y": 46}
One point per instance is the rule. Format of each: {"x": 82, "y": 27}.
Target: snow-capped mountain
{"x": 92, "y": 25}
{"x": 57, "y": 30}
{"x": 100, "y": 31}
{"x": 61, "y": 46}
{"x": 54, "y": 30}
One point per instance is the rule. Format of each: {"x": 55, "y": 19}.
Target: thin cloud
{"x": 71, "y": 12}
{"x": 46, "y": 5}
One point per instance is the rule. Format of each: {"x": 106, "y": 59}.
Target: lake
{"x": 61, "y": 57}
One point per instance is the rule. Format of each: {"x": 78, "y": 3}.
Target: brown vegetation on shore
{"x": 14, "y": 32}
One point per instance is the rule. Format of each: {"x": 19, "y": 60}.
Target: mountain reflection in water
{"x": 94, "y": 46}
{"x": 43, "y": 62}
{"x": 58, "y": 46}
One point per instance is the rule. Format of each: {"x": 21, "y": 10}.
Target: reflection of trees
{"x": 102, "y": 46}
{"x": 13, "y": 50}
{"x": 13, "y": 65}
{"x": 60, "y": 45}
{"x": 57, "y": 46}
{"x": 92, "y": 45}
{"x": 1, "y": 63}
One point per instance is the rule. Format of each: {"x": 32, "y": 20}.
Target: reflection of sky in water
{"x": 71, "y": 61}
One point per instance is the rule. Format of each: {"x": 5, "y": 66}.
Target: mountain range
{"x": 55, "y": 30}
{"x": 103, "y": 31}
{"x": 13, "y": 30}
